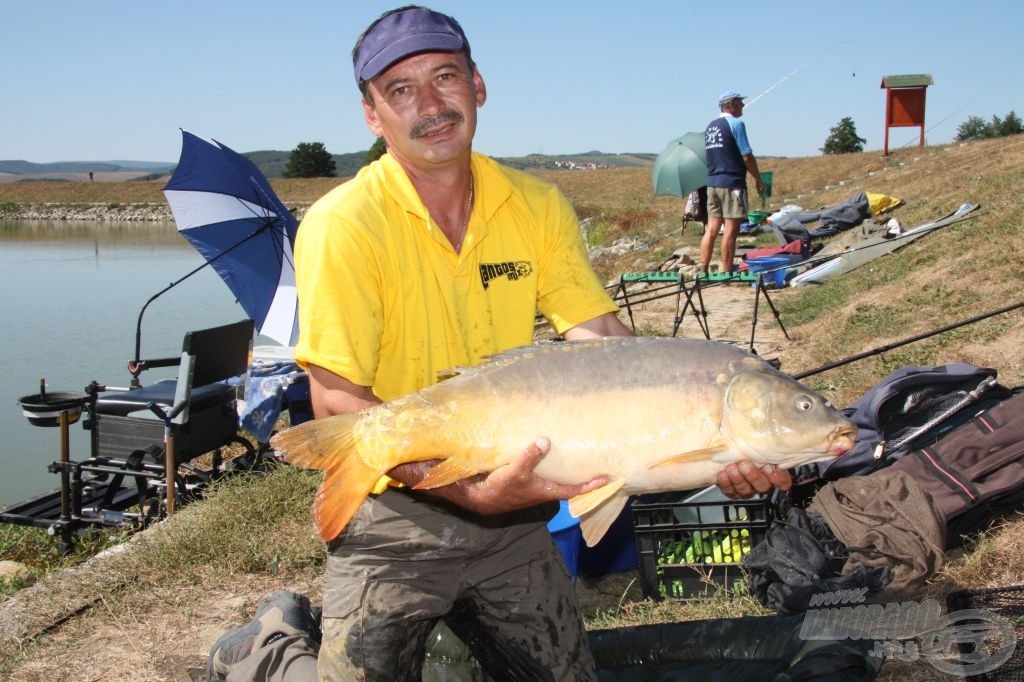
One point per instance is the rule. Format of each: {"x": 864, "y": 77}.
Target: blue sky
{"x": 113, "y": 79}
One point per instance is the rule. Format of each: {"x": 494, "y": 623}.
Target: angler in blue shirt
{"x": 729, "y": 158}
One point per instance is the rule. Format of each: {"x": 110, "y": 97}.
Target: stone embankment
{"x": 101, "y": 212}
{"x": 98, "y": 212}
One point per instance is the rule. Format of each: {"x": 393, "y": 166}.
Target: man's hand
{"x": 741, "y": 480}
{"x": 516, "y": 486}
{"x": 507, "y": 488}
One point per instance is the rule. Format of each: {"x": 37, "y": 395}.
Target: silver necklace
{"x": 465, "y": 215}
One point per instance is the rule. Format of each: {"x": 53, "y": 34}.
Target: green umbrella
{"x": 681, "y": 167}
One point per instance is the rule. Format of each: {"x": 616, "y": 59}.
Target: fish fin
{"x": 510, "y": 355}
{"x": 596, "y": 523}
{"x": 587, "y": 502}
{"x": 328, "y": 444}
{"x": 314, "y": 444}
{"x": 711, "y": 452}
{"x": 446, "y": 472}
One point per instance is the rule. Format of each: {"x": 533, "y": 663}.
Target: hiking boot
{"x": 282, "y": 614}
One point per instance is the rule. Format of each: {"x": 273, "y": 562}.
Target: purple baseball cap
{"x": 404, "y": 33}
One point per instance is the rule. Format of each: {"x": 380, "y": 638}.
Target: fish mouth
{"x": 841, "y": 440}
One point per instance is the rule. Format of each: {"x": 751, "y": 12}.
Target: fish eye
{"x": 804, "y": 403}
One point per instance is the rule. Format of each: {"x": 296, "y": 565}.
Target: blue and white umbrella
{"x": 224, "y": 206}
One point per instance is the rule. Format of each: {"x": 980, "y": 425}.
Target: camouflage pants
{"x": 497, "y": 582}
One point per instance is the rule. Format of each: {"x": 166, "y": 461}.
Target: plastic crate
{"x": 690, "y": 544}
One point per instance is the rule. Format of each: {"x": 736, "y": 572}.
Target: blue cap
{"x": 728, "y": 96}
{"x": 404, "y": 33}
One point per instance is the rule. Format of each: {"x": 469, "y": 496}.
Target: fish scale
{"x": 650, "y": 413}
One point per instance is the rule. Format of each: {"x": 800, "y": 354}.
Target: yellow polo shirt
{"x": 386, "y": 302}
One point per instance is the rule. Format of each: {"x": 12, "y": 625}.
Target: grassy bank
{"x": 209, "y": 565}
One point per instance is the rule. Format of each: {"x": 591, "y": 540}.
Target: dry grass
{"x": 213, "y": 562}
{"x": 293, "y": 192}
{"x": 74, "y": 193}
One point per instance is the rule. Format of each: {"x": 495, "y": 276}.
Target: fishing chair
{"x": 148, "y": 433}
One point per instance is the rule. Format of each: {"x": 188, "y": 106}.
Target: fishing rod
{"x": 674, "y": 288}
{"x": 935, "y": 125}
{"x": 644, "y": 245}
{"x": 623, "y": 283}
{"x": 644, "y": 297}
{"x": 792, "y": 73}
{"x": 919, "y": 231}
{"x": 904, "y": 342}
{"x": 137, "y": 365}
{"x": 783, "y": 80}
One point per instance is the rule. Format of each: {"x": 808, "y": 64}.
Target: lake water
{"x": 70, "y": 301}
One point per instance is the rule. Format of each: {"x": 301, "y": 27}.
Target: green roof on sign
{"x": 910, "y": 80}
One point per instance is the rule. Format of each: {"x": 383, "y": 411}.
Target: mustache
{"x": 442, "y": 117}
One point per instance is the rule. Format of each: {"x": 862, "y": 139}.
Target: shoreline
{"x": 103, "y": 212}
{"x": 97, "y": 211}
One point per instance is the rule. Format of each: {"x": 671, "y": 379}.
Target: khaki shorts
{"x": 499, "y": 583}
{"x": 727, "y": 203}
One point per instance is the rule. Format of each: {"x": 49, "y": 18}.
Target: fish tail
{"x": 329, "y": 444}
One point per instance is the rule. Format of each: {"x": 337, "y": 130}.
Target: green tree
{"x": 843, "y": 139}
{"x": 977, "y": 128}
{"x": 379, "y": 149}
{"x": 974, "y": 128}
{"x": 310, "y": 160}
{"x": 1011, "y": 125}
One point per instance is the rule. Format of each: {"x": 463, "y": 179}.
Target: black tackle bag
{"x": 974, "y": 473}
{"x": 909, "y": 408}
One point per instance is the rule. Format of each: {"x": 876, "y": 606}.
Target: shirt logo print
{"x": 513, "y": 270}
{"x": 713, "y": 137}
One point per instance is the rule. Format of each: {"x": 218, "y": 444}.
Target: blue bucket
{"x": 615, "y": 553}
{"x": 777, "y": 278}
{"x": 565, "y": 531}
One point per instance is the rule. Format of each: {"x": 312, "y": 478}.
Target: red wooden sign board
{"x": 904, "y": 103}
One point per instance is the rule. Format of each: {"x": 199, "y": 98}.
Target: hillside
{"x": 82, "y": 171}
{"x": 27, "y": 168}
{"x": 171, "y": 618}
{"x": 272, "y": 163}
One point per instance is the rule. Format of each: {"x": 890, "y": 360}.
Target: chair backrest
{"x": 219, "y": 352}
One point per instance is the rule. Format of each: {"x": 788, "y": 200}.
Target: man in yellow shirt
{"x": 431, "y": 258}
